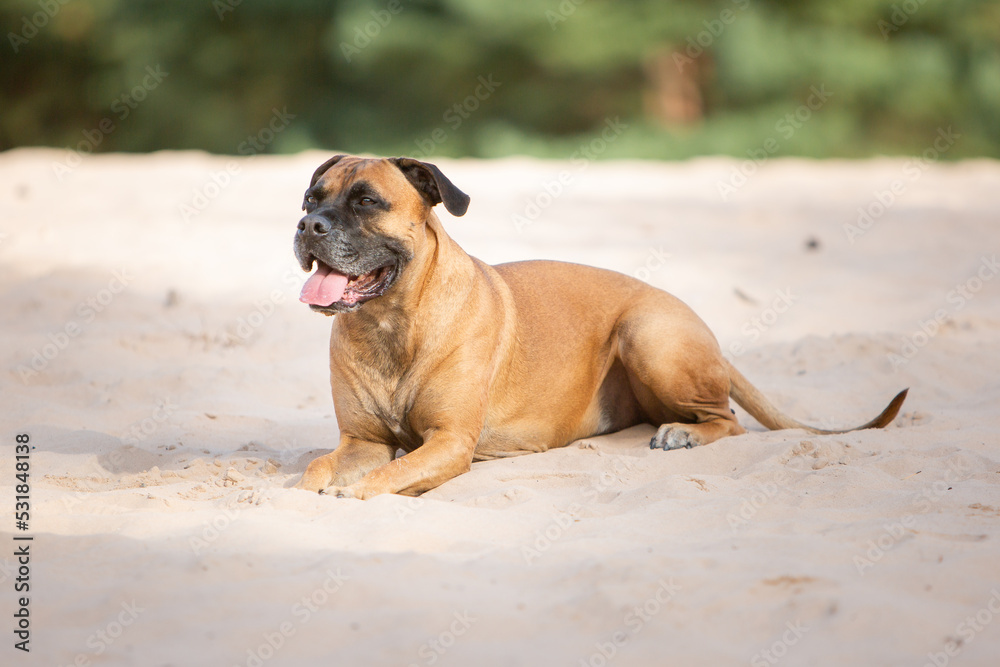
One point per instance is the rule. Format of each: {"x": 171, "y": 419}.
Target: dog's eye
{"x": 366, "y": 201}
{"x": 310, "y": 200}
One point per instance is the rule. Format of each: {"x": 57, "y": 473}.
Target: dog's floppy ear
{"x": 433, "y": 185}
{"x": 320, "y": 170}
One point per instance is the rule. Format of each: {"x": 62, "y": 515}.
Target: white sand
{"x": 869, "y": 548}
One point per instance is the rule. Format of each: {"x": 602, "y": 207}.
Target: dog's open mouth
{"x": 329, "y": 290}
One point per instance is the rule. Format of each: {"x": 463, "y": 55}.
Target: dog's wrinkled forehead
{"x": 340, "y": 173}
{"x": 395, "y": 180}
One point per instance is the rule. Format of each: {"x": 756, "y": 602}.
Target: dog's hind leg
{"x": 677, "y": 373}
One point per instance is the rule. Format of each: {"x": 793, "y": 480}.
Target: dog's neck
{"x": 388, "y": 324}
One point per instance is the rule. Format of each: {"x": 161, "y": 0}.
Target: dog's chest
{"x": 374, "y": 401}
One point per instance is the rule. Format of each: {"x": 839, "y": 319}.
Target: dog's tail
{"x": 761, "y": 409}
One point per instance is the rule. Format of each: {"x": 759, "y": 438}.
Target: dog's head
{"x": 362, "y": 224}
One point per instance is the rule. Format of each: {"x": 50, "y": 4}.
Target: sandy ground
{"x": 173, "y": 388}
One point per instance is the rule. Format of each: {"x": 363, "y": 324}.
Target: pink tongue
{"x": 324, "y": 288}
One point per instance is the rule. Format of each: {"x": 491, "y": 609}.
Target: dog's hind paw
{"x": 674, "y": 436}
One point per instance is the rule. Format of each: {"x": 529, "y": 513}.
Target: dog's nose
{"x": 315, "y": 225}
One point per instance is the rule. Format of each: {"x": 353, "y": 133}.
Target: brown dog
{"x": 452, "y": 360}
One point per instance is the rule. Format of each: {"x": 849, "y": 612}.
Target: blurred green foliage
{"x": 486, "y": 78}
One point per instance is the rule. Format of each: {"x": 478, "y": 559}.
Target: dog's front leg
{"x": 444, "y": 454}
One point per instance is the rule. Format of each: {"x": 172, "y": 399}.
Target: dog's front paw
{"x": 308, "y": 483}
{"x": 674, "y": 436}
{"x": 342, "y": 492}
{"x": 318, "y": 475}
